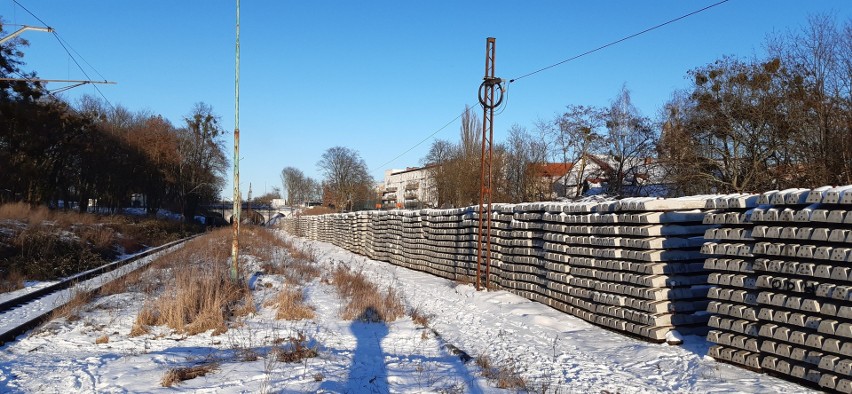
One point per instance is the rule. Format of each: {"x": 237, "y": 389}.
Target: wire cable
{"x": 62, "y": 43}
{"x": 30, "y": 12}
{"x": 620, "y": 40}
{"x": 81, "y": 68}
{"x": 505, "y": 103}
{"x": 425, "y": 139}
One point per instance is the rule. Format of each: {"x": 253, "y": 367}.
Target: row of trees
{"x": 62, "y": 155}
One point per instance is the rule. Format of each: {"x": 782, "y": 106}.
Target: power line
{"x": 563, "y": 62}
{"x": 620, "y": 40}
{"x": 81, "y": 68}
{"x": 81, "y": 57}
{"x": 62, "y": 43}
{"x": 425, "y": 139}
{"x": 30, "y": 12}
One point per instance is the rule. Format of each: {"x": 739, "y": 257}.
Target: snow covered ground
{"x": 552, "y": 351}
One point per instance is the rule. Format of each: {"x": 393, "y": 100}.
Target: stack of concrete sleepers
{"x": 523, "y": 259}
{"x": 501, "y": 238}
{"x": 380, "y": 231}
{"x": 413, "y": 237}
{"x": 396, "y": 244}
{"x": 465, "y": 260}
{"x": 803, "y": 261}
{"x": 733, "y": 295}
{"x": 362, "y": 225}
{"x": 651, "y": 280}
{"x": 565, "y": 292}
{"x": 443, "y": 233}
{"x": 633, "y": 265}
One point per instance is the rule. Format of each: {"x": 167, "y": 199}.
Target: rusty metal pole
{"x": 487, "y": 100}
{"x": 235, "y": 244}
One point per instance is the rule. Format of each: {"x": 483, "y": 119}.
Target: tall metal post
{"x": 235, "y": 244}
{"x": 488, "y": 102}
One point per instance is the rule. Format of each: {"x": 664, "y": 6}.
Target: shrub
{"x": 177, "y": 375}
{"x": 364, "y": 300}
{"x": 291, "y": 305}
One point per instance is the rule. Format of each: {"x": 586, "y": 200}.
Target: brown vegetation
{"x": 504, "y": 376}
{"x": 200, "y": 294}
{"x": 177, "y": 375}
{"x": 290, "y": 305}
{"x": 71, "y": 309}
{"x": 296, "y": 349}
{"x": 11, "y": 281}
{"x": 39, "y": 244}
{"x": 364, "y": 299}
{"x": 419, "y": 318}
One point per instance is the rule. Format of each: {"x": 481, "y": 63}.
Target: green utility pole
{"x": 235, "y": 244}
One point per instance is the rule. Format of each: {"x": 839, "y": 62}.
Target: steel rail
{"x": 64, "y": 284}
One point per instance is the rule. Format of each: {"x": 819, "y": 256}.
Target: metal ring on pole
{"x": 487, "y": 83}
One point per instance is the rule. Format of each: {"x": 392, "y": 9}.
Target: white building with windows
{"x": 407, "y": 188}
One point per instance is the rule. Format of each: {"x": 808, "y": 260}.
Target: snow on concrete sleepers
{"x": 631, "y": 266}
{"x": 802, "y": 314}
{"x": 733, "y": 296}
{"x": 803, "y": 289}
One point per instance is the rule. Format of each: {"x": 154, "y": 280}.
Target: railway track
{"x": 25, "y": 312}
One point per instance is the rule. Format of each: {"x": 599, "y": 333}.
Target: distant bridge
{"x": 257, "y": 214}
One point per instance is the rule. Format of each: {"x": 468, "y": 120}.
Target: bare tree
{"x": 347, "y": 179}
{"x": 629, "y": 142}
{"x": 524, "y": 156}
{"x": 571, "y": 136}
{"x": 298, "y": 187}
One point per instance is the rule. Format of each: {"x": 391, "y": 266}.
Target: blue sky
{"x": 380, "y": 76}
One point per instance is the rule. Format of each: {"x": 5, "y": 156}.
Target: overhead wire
{"x": 625, "y": 38}
{"x": 425, "y": 139}
{"x": 62, "y": 43}
{"x": 604, "y": 46}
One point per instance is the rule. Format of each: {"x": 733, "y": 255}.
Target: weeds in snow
{"x": 294, "y": 350}
{"x": 71, "y": 310}
{"x": 364, "y": 299}
{"x": 177, "y": 375}
{"x": 419, "y": 318}
{"x": 200, "y": 294}
{"x": 291, "y": 305}
{"x": 504, "y": 376}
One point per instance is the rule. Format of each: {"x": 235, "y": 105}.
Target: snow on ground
{"x": 551, "y": 350}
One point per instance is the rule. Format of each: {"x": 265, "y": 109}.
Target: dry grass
{"x": 260, "y": 242}
{"x": 11, "y": 281}
{"x": 419, "y": 318}
{"x": 177, "y": 375}
{"x": 99, "y": 237}
{"x": 247, "y": 306}
{"x": 199, "y": 295}
{"x": 122, "y": 284}
{"x": 296, "y": 349}
{"x": 73, "y": 307}
{"x": 504, "y": 376}
{"x": 199, "y": 298}
{"x": 291, "y": 305}
{"x": 102, "y": 339}
{"x": 24, "y": 212}
{"x": 364, "y": 299}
